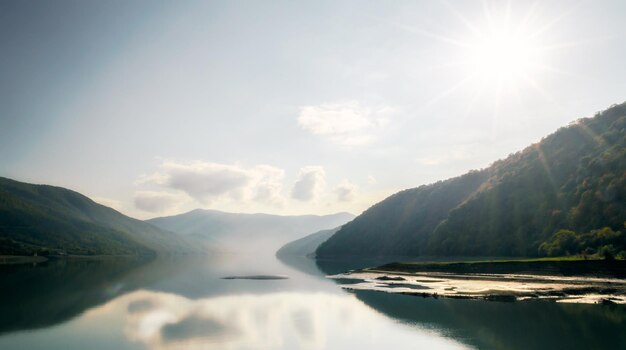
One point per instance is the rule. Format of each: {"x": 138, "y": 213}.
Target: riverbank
{"x": 565, "y": 280}
{"x": 565, "y": 266}
{"x": 36, "y": 259}
{"x": 21, "y": 259}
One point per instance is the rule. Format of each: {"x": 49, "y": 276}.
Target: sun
{"x": 504, "y": 54}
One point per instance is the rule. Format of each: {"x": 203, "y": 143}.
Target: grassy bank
{"x": 562, "y": 266}
{"x": 21, "y": 259}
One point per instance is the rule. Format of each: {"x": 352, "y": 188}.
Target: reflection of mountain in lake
{"x": 336, "y": 266}
{"x": 42, "y": 295}
{"x": 36, "y": 296}
{"x": 56, "y": 291}
{"x": 300, "y": 255}
{"x": 519, "y": 325}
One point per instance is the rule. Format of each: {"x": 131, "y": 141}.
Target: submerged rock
{"x": 387, "y": 278}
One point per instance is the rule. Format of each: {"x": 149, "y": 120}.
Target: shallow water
{"x": 186, "y": 303}
{"x": 500, "y": 287}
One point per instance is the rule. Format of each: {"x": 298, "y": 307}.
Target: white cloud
{"x": 344, "y": 123}
{"x": 203, "y": 181}
{"x": 269, "y": 185}
{"x": 310, "y": 183}
{"x": 345, "y": 191}
{"x": 156, "y": 202}
{"x": 177, "y": 186}
{"x": 207, "y": 182}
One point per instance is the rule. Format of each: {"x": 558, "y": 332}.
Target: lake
{"x": 176, "y": 303}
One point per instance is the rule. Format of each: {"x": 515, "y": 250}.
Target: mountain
{"x": 567, "y": 190}
{"x": 300, "y": 254}
{"x": 48, "y": 219}
{"x": 306, "y": 246}
{"x": 247, "y": 231}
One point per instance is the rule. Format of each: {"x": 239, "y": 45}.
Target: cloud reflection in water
{"x": 277, "y": 320}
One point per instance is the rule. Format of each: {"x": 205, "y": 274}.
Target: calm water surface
{"x": 185, "y": 303}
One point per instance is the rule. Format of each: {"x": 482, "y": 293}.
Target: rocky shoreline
{"x": 490, "y": 287}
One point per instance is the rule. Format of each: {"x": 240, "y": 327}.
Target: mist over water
{"x": 185, "y": 303}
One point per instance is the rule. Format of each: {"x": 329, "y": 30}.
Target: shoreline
{"x": 31, "y": 259}
{"x": 452, "y": 280}
{"x": 21, "y": 259}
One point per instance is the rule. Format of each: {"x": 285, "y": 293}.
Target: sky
{"x": 290, "y": 107}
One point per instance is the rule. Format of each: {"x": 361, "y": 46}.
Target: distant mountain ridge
{"x": 47, "y": 219}
{"x": 236, "y": 229}
{"x": 573, "y": 179}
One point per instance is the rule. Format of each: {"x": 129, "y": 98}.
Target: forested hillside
{"x": 573, "y": 179}
{"x": 53, "y": 220}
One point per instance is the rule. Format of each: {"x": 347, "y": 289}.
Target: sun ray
{"x": 432, "y": 35}
{"x": 504, "y": 53}
{"x": 556, "y": 20}
{"x": 488, "y": 16}
{"x": 545, "y": 94}
{"x": 445, "y": 93}
{"x": 477, "y": 93}
{"x": 529, "y": 15}
{"x": 424, "y": 33}
{"x": 447, "y": 64}
{"x": 518, "y": 95}
{"x": 592, "y": 135}
{"x": 553, "y": 69}
{"x": 508, "y": 11}
{"x": 570, "y": 44}
{"x": 546, "y": 167}
{"x": 460, "y": 17}
{"x": 496, "y": 111}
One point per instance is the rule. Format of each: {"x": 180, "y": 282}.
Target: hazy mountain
{"x": 247, "y": 231}
{"x": 306, "y": 246}
{"x": 41, "y": 218}
{"x": 573, "y": 179}
{"x": 300, "y": 254}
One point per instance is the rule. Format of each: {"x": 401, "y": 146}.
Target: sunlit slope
{"x": 572, "y": 179}
{"x": 40, "y": 218}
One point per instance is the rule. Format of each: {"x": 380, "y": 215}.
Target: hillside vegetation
{"x": 573, "y": 179}
{"x": 53, "y": 220}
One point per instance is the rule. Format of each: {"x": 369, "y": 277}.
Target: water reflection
{"x": 290, "y": 320}
{"x": 185, "y": 303}
{"x": 501, "y": 325}
{"x": 49, "y": 293}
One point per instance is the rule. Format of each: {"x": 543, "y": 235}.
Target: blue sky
{"x": 156, "y": 108}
